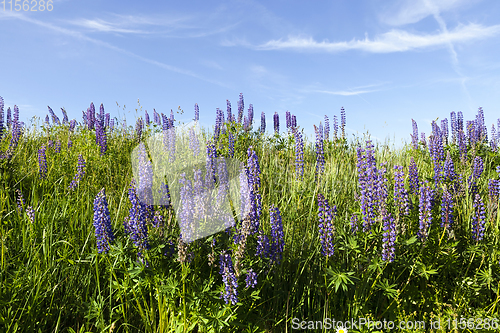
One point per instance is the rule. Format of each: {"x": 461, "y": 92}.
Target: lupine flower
{"x": 462, "y": 146}
{"x": 101, "y": 137}
{"x": 493, "y": 189}
{"x": 320, "y": 154}
{"x": 231, "y": 144}
{"x": 413, "y": 175}
{"x": 276, "y": 123}
{"x": 102, "y": 223}
{"x": 9, "y": 120}
{"x": 196, "y": 112}
{"x": 354, "y": 224}
{"x": 477, "y": 170}
{"x": 299, "y": 154}
{"x": 138, "y": 128}
{"x": 367, "y": 176}
{"x": 58, "y": 146}
{"x": 444, "y": 130}
{"x": 449, "y": 169}
{"x": 325, "y": 226}
{"x": 294, "y": 121}
{"x": 454, "y": 126}
{"x": 146, "y": 117}
{"x": 30, "y": 212}
{"x": 79, "y": 173}
{"x": 72, "y": 125}
{"x": 277, "y": 243}
{"x": 55, "y": 119}
{"x": 262, "y": 122}
{"x": 400, "y": 195}
{"x": 478, "y": 219}
{"x": 471, "y": 132}
{"x": 230, "y": 293}
{"x": 447, "y": 210}
{"x": 250, "y": 115}
{"x": 288, "y": 119}
{"x": 241, "y": 107}
{"x": 254, "y": 183}
{"x": 42, "y": 162}
{"x": 425, "y": 207}
{"x": 335, "y": 127}
{"x": 108, "y": 117}
{"x": 327, "y": 129}
{"x": 342, "y": 121}
{"x": 218, "y": 123}
{"x": 194, "y": 144}
{"x": 1, "y": 116}
{"x": 389, "y": 239}
{"x": 136, "y": 224}
{"x": 20, "y": 201}
{"x": 263, "y": 247}
{"x": 414, "y": 137}
{"x": 493, "y": 142}
{"x": 228, "y": 110}
{"x": 70, "y": 143}
{"x": 210, "y": 177}
{"x": 381, "y": 190}
{"x": 251, "y": 279}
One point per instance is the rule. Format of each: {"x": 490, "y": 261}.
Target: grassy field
{"x": 348, "y": 238}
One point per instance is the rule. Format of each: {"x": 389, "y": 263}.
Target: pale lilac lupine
{"x": 229, "y": 111}
{"x": 389, "y": 239}
{"x": 425, "y": 206}
{"x": 400, "y": 194}
{"x": 241, "y": 107}
{"x": 299, "y": 154}
{"x": 80, "y": 172}
{"x": 320, "y": 154}
{"x": 276, "y": 123}
{"x": 342, "y": 121}
{"x": 263, "y": 122}
{"x": 327, "y": 129}
{"x": 335, "y": 127}
{"x": 1, "y": 116}
{"x": 250, "y": 115}
{"x": 454, "y": 127}
{"x": 196, "y": 112}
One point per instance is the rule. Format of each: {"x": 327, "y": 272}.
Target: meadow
{"x": 331, "y": 229}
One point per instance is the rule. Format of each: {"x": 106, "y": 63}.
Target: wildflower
{"x": 55, "y": 119}
{"x": 389, "y": 238}
{"x": 446, "y": 210}
{"x": 400, "y": 194}
{"x": 327, "y": 129}
{"x": 1, "y": 116}
{"x": 320, "y": 154}
{"x": 250, "y": 115}
{"x": 228, "y": 109}
{"x": 294, "y": 121}
{"x": 425, "y": 205}
{"x": 262, "y": 122}
{"x": 196, "y": 112}
{"x": 288, "y": 119}
{"x": 231, "y": 144}
{"x": 444, "y": 130}
{"x": 254, "y": 183}
{"x": 326, "y": 216}
{"x": 70, "y": 143}
{"x": 30, "y": 212}
{"x": 65, "y": 116}
{"x": 422, "y": 139}
{"x": 251, "y": 279}
{"x": 414, "y": 137}
{"x": 136, "y": 223}
{"x": 276, "y": 123}
{"x": 354, "y": 224}
{"x": 413, "y": 175}
{"x": 230, "y": 293}
{"x": 277, "y": 243}
{"x": 102, "y": 223}
{"x": 20, "y": 200}
{"x": 454, "y": 126}
{"x": 9, "y": 118}
{"x": 299, "y": 154}
{"x": 42, "y": 162}
{"x": 462, "y": 146}
{"x": 210, "y": 177}
{"x": 58, "y": 146}
{"x": 449, "y": 169}
{"x": 138, "y": 128}
{"x": 79, "y": 173}
{"x": 478, "y": 219}
{"x": 72, "y": 125}
{"x": 241, "y": 107}
{"x": 367, "y": 174}
{"x": 335, "y": 127}
{"x": 342, "y": 121}
{"x": 263, "y": 247}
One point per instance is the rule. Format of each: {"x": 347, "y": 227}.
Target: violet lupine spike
{"x": 30, "y": 212}
{"x": 425, "y": 206}
{"x": 263, "y": 122}
{"x": 327, "y": 129}
{"x": 254, "y": 183}
{"x": 493, "y": 189}
{"x": 194, "y": 144}
{"x": 136, "y": 223}
{"x": 102, "y": 116}
{"x": 354, "y": 224}
{"x": 444, "y": 130}
{"x": 218, "y": 124}
{"x": 241, "y": 107}
{"x": 1, "y": 116}
{"x": 58, "y": 146}
{"x": 102, "y": 223}
{"x": 326, "y": 216}
{"x": 462, "y": 146}
{"x": 478, "y": 219}
{"x": 422, "y": 139}
{"x": 294, "y": 121}
{"x": 389, "y": 239}
{"x": 138, "y": 129}
{"x": 449, "y": 169}
{"x": 9, "y": 118}
{"x": 335, "y": 127}
{"x": 72, "y": 125}
{"x": 65, "y": 116}
{"x": 55, "y": 119}
{"x": 228, "y": 109}
{"x": 107, "y": 117}
{"x": 454, "y": 127}
{"x": 288, "y": 119}
{"x": 230, "y": 293}
{"x": 320, "y": 154}
{"x": 70, "y": 143}
{"x": 196, "y": 112}
{"x": 250, "y": 115}
{"x": 16, "y": 131}
{"x": 460, "y": 121}
{"x": 42, "y": 162}
{"x": 251, "y": 279}
{"x": 299, "y": 154}
{"x": 447, "y": 210}
{"x": 400, "y": 194}
{"x": 414, "y": 137}
{"x": 263, "y": 247}
{"x": 277, "y": 243}
{"x": 367, "y": 176}
{"x": 471, "y": 132}
{"x": 493, "y": 142}
{"x": 80, "y": 172}
{"x": 276, "y": 123}
{"x": 231, "y": 144}
{"x": 101, "y": 138}
{"x": 413, "y": 175}
{"x": 342, "y": 121}
{"x": 210, "y": 176}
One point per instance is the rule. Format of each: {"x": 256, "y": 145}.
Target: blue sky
{"x": 384, "y": 61}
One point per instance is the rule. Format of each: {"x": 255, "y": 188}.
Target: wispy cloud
{"x": 392, "y": 41}
{"x": 346, "y": 92}
{"x": 105, "y": 26}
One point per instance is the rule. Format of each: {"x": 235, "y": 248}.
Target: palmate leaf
{"x": 340, "y": 279}
{"x": 388, "y": 290}
{"x": 426, "y": 271}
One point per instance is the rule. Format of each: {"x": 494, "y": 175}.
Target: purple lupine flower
{"x": 413, "y": 175}
{"x": 462, "y": 145}
{"x": 454, "y": 127}
{"x": 342, "y": 121}
{"x": 414, "y": 137}
{"x": 42, "y": 162}
{"x": 251, "y": 279}
{"x": 263, "y": 122}
{"x": 231, "y": 144}
{"x": 102, "y": 223}
{"x": 194, "y": 144}
{"x": 425, "y": 206}
{"x": 55, "y": 119}
{"x": 65, "y": 116}
{"x": 16, "y": 130}
{"x": 263, "y": 247}
{"x": 70, "y": 143}
{"x": 107, "y": 120}
{"x": 299, "y": 154}
{"x": 367, "y": 175}
{"x": 112, "y": 124}
{"x": 478, "y": 167}
{"x": 320, "y": 154}
{"x": 138, "y": 128}
{"x": 9, "y": 120}
{"x": 447, "y": 210}
{"x": 72, "y": 125}
{"x": 389, "y": 239}
{"x": 381, "y": 190}
{"x": 422, "y": 139}
{"x": 400, "y": 194}
{"x": 91, "y": 116}
{"x": 241, "y": 107}
{"x": 146, "y": 117}
{"x": 460, "y": 121}
{"x": 444, "y": 130}
{"x": 254, "y": 183}
{"x": 277, "y": 243}
{"x": 145, "y": 176}
{"x": 101, "y": 116}
{"x": 471, "y": 132}
{"x": 136, "y": 223}
{"x": 30, "y": 212}
{"x": 276, "y": 123}
{"x": 186, "y": 215}
{"x": 230, "y": 293}
{"x": 493, "y": 189}
{"x": 196, "y": 112}
{"x": 101, "y": 138}
{"x": 229, "y": 113}
{"x": 327, "y": 129}
{"x": 246, "y": 123}
{"x": 354, "y": 223}
{"x": 218, "y": 124}
{"x": 250, "y": 115}
{"x": 210, "y": 176}
{"x": 294, "y": 121}
{"x": 326, "y": 229}
{"x": 493, "y": 142}
{"x": 449, "y": 169}
{"x": 20, "y": 201}
{"x": 335, "y": 127}
{"x": 478, "y": 219}
{"x": 482, "y": 131}
{"x": 164, "y": 193}
{"x": 435, "y": 146}
{"x": 288, "y": 119}
{"x": 58, "y": 146}
{"x": 1, "y": 116}
{"x": 80, "y": 172}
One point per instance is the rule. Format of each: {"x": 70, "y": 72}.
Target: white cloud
{"x": 392, "y": 41}
{"x": 345, "y": 92}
